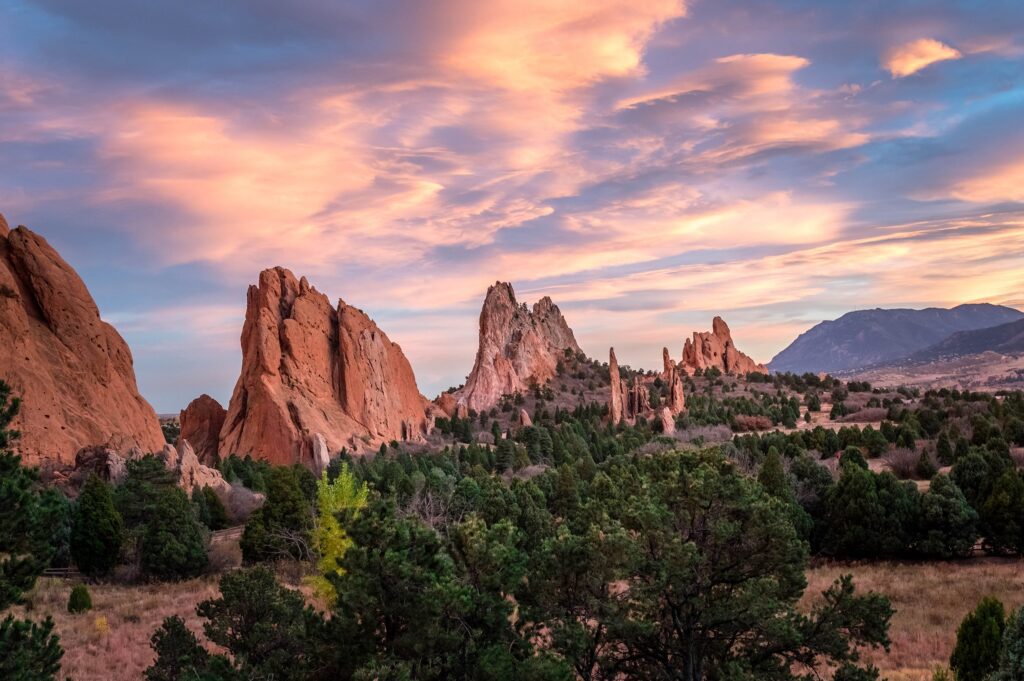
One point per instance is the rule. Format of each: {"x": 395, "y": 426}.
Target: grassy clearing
{"x": 930, "y": 599}
{"x": 112, "y": 640}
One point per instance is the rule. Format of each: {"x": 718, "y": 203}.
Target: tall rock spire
{"x": 315, "y": 375}
{"x": 518, "y": 347}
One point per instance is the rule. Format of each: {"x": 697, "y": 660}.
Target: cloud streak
{"x": 648, "y": 164}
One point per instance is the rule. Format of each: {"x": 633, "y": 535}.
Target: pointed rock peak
{"x": 717, "y": 350}
{"x": 316, "y": 377}
{"x": 611, "y": 358}
{"x": 4, "y": 229}
{"x": 517, "y": 347}
{"x": 500, "y": 293}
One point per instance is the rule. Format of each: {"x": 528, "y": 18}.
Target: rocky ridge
{"x": 72, "y": 370}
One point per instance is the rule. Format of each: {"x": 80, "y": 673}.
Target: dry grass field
{"x": 111, "y": 642}
{"x": 930, "y": 599}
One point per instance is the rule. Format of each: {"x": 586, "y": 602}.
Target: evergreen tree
{"x": 1011, "y": 654}
{"x": 215, "y": 507}
{"x": 773, "y": 476}
{"x": 1002, "y": 515}
{"x": 979, "y": 641}
{"x": 949, "y": 526}
{"x": 174, "y": 543}
{"x": 282, "y": 526}
{"x": 29, "y": 651}
{"x": 97, "y": 531}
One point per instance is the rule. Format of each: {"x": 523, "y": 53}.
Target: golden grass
{"x": 112, "y": 640}
{"x": 930, "y": 599}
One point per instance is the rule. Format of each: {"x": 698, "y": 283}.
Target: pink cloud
{"x": 905, "y": 60}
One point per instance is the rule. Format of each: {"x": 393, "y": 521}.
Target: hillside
{"x": 868, "y": 337}
{"x": 1005, "y": 338}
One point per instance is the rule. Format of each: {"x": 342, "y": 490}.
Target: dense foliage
{"x": 29, "y": 651}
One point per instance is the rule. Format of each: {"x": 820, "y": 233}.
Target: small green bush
{"x": 79, "y": 601}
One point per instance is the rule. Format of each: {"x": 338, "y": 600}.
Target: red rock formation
{"x": 517, "y": 347}
{"x": 615, "y": 403}
{"x": 716, "y": 349}
{"x": 201, "y": 422}
{"x": 524, "y": 418}
{"x": 72, "y": 370}
{"x": 310, "y": 369}
{"x": 446, "y": 403}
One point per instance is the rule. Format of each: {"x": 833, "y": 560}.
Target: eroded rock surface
{"x": 716, "y": 349}
{"x": 310, "y": 368}
{"x": 72, "y": 370}
{"x": 201, "y": 422}
{"x": 518, "y": 347}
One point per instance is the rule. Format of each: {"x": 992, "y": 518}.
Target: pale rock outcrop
{"x": 321, "y": 454}
{"x": 668, "y": 424}
{"x": 72, "y": 370}
{"x": 101, "y": 460}
{"x": 518, "y": 347}
{"x": 524, "y": 418}
{"x": 615, "y": 402}
{"x": 201, "y": 422}
{"x": 717, "y": 349}
{"x": 311, "y": 368}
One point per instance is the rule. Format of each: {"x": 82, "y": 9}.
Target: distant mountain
{"x": 1005, "y": 339}
{"x": 868, "y": 337}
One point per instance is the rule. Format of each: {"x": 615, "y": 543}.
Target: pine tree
{"x": 29, "y": 651}
{"x": 97, "y": 531}
{"x": 173, "y": 544}
{"x": 773, "y": 476}
{"x": 979, "y": 641}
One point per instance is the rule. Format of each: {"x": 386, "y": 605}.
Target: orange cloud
{"x": 1003, "y": 182}
{"x": 905, "y": 60}
{"x": 553, "y": 45}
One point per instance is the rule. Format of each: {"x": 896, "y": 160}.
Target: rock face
{"x": 518, "y": 347}
{"x": 717, "y": 350}
{"x": 631, "y": 399}
{"x": 201, "y": 422}
{"x": 309, "y": 369}
{"x": 615, "y": 402}
{"x": 72, "y": 370}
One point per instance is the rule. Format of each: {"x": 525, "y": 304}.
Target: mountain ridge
{"x": 863, "y": 338}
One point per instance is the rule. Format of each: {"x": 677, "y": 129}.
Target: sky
{"x": 647, "y": 164}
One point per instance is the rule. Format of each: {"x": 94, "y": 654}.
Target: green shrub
{"x": 79, "y": 601}
{"x": 979, "y": 641}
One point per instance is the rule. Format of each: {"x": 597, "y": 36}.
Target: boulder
{"x": 72, "y": 370}
{"x": 717, "y": 350}
{"x": 446, "y": 402}
{"x": 524, "y": 418}
{"x": 201, "y": 422}
{"x": 311, "y": 368}
{"x": 518, "y": 347}
{"x": 101, "y": 460}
